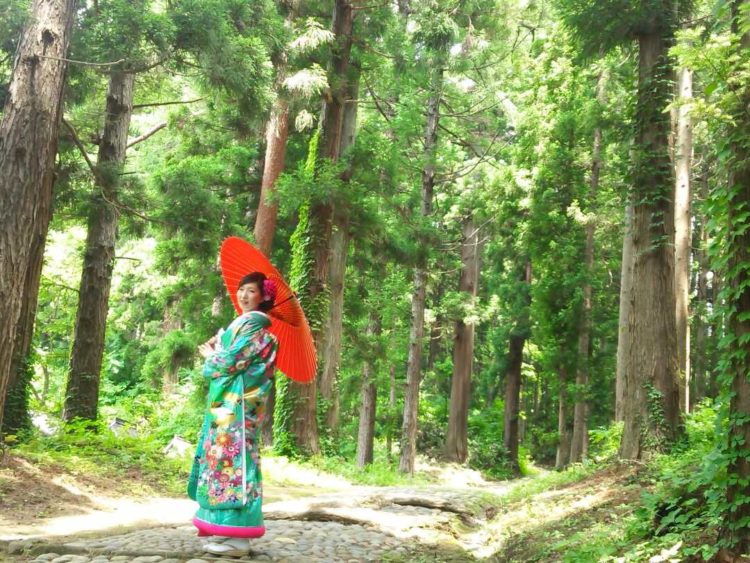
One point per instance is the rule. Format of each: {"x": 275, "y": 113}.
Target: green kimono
{"x": 226, "y": 478}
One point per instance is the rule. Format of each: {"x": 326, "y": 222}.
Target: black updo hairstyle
{"x": 257, "y": 278}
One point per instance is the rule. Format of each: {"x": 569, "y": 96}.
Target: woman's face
{"x": 249, "y": 297}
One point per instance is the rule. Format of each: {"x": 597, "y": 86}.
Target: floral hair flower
{"x": 269, "y": 290}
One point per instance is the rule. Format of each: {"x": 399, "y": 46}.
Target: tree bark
{"x": 513, "y": 399}
{"x": 28, "y": 145}
{"x": 277, "y": 133}
{"x": 366, "y": 437}
{"x": 16, "y": 412}
{"x": 82, "y": 392}
{"x": 700, "y": 376}
{"x": 392, "y": 419}
{"x": 735, "y": 530}
{"x": 337, "y": 269}
{"x": 456, "y": 443}
{"x": 562, "y": 459}
{"x": 413, "y": 373}
{"x": 416, "y": 333}
{"x": 579, "y": 440}
{"x": 170, "y": 375}
{"x": 683, "y": 166}
{"x": 626, "y": 307}
{"x": 513, "y": 384}
{"x": 434, "y": 346}
{"x": 651, "y": 409}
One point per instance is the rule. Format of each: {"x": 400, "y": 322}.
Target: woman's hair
{"x": 258, "y": 278}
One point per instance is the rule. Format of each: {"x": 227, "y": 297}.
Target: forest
{"x": 519, "y": 229}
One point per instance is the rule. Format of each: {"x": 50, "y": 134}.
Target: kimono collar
{"x": 257, "y": 316}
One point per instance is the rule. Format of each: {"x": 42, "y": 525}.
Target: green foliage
{"x": 128, "y": 31}
{"x": 604, "y": 442}
{"x": 175, "y": 350}
{"x": 226, "y": 40}
{"x": 380, "y": 473}
{"x": 685, "y": 502}
{"x": 486, "y": 450}
{"x": 302, "y": 261}
{"x": 181, "y": 413}
{"x": 13, "y": 14}
{"x": 599, "y": 26}
{"x": 16, "y": 409}
{"x": 283, "y": 440}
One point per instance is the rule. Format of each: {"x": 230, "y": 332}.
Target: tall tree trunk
{"x": 434, "y": 347}
{"x": 392, "y": 419}
{"x": 16, "y": 411}
{"x": 82, "y": 392}
{"x": 416, "y": 333}
{"x": 337, "y": 268}
{"x": 699, "y": 352}
{"x": 563, "y": 421}
{"x": 456, "y": 443}
{"x": 366, "y": 437}
{"x": 413, "y": 373}
{"x": 277, "y": 134}
{"x": 303, "y": 397}
{"x": 579, "y": 440}
{"x": 28, "y": 144}
{"x": 513, "y": 399}
{"x": 626, "y": 308}
{"x": 513, "y": 382}
{"x": 170, "y": 376}
{"x": 682, "y": 246}
{"x": 651, "y": 409}
{"x": 735, "y": 529}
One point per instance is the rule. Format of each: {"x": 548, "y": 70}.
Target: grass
{"x": 540, "y": 481}
{"x": 379, "y": 473}
{"x": 136, "y": 464}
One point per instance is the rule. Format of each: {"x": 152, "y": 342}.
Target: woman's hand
{"x": 207, "y": 348}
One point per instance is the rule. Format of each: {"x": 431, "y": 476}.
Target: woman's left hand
{"x": 206, "y": 349}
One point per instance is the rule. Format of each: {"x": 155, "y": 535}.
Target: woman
{"x": 226, "y": 478}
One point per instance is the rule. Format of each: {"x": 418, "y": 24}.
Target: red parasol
{"x": 296, "y": 358}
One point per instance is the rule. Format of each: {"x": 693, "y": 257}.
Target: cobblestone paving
{"x": 284, "y": 541}
{"x": 346, "y": 527}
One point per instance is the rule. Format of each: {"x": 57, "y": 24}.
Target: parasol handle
{"x": 292, "y": 296}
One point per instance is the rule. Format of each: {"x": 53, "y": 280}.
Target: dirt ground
{"x": 29, "y": 494}
{"x": 52, "y": 501}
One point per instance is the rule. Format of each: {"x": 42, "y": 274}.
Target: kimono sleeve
{"x": 228, "y": 361}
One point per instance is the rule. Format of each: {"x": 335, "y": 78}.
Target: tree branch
{"x": 80, "y": 146}
{"x": 128, "y": 258}
{"x": 147, "y": 134}
{"x": 147, "y": 67}
{"x": 356, "y": 7}
{"x": 49, "y": 281}
{"x": 469, "y": 169}
{"x": 139, "y": 106}
{"x": 372, "y": 49}
{"x": 469, "y": 112}
{"x": 375, "y": 99}
{"x": 84, "y": 63}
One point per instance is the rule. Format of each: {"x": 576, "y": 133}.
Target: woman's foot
{"x": 232, "y": 547}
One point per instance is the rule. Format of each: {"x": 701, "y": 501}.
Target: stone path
{"x": 284, "y": 541}
{"x": 366, "y": 524}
